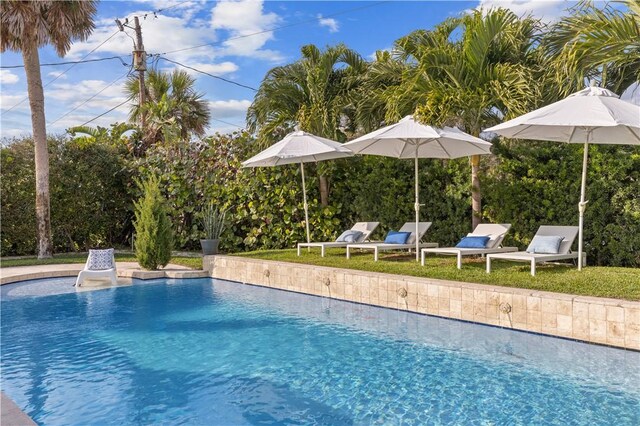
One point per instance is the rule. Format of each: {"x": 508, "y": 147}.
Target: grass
{"x": 619, "y": 283}
{"x": 188, "y": 261}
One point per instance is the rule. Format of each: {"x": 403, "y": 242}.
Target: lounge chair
{"x": 564, "y": 251}
{"x": 365, "y": 227}
{"x": 100, "y": 264}
{"x": 495, "y": 232}
{"x": 410, "y": 244}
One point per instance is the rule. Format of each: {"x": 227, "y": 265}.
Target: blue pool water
{"x": 212, "y": 352}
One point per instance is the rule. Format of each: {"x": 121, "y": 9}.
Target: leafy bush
{"x": 90, "y": 185}
{"x": 537, "y": 183}
{"x": 154, "y": 237}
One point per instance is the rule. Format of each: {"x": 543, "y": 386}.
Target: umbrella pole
{"x": 583, "y": 204}
{"x": 417, "y": 206}
{"x": 306, "y": 206}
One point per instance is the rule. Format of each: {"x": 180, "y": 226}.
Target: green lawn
{"x": 620, "y": 283}
{"x": 191, "y": 262}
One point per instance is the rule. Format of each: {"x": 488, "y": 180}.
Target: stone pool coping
{"x": 606, "y": 321}
{"x": 126, "y": 270}
{"x": 612, "y": 322}
{"x": 11, "y": 414}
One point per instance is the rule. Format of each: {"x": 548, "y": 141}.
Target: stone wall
{"x": 598, "y": 320}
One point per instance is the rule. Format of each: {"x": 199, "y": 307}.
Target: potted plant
{"x": 212, "y": 224}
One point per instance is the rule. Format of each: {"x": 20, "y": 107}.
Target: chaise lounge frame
{"x": 377, "y": 247}
{"x": 496, "y": 232}
{"x": 564, "y": 253}
{"x": 365, "y": 227}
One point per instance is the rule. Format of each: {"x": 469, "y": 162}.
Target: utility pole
{"x": 139, "y": 64}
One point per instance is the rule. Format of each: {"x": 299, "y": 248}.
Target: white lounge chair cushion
{"x": 100, "y": 260}
{"x": 350, "y": 236}
{"x": 545, "y": 244}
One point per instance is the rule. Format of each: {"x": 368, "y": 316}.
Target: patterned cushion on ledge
{"x": 100, "y": 259}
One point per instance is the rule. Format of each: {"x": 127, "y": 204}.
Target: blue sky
{"x": 233, "y": 50}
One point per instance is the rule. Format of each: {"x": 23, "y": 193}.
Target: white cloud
{"x": 248, "y": 28}
{"x": 545, "y": 10}
{"x": 79, "y": 91}
{"x": 215, "y": 69}
{"x": 9, "y": 101}
{"x": 58, "y": 75}
{"x": 330, "y": 23}
{"x": 7, "y": 77}
{"x": 13, "y": 133}
{"x": 160, "y": 35}
{"x": 230, "y": 108}
{"x": 76, "y": 119}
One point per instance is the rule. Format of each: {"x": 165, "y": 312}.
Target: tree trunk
{"x": 476, "y": 195}
{"x": 36, "y": 103}
{"x": 324, "y": 190}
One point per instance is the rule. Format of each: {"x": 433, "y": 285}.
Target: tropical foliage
{"x": 471, "y": 71}
{"x": 313, "y": 93}
{"x": 173, "y": 108}
{"x": 25, "y": 27}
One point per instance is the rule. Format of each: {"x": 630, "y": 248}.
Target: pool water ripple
{"x": 213, "y": 352}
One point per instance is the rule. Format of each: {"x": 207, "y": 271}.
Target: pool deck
{"x": 126, "y": 271}
{"x": 11, "y": 414}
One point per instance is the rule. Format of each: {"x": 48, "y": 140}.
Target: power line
{"x": 155, "y": 12}
{"x": 105, "y": 113}
{"x": 65, "y": 71}
{"x": 87, "y": 100}
{"x": 210, "y": 75}
{"x": 226, "y": 122}
{"x": 280, "y": 27}
{"x": 52, "y": 64}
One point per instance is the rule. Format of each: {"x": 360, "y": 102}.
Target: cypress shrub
{"x": 154, "y": 237}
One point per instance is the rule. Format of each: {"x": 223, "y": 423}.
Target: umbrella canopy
{"x": 410, "y": 139}
{"x": 592, "y": 115}
{"x": 299, "y": 147}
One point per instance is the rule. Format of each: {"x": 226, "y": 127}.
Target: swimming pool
{"x": 204, "y": 351}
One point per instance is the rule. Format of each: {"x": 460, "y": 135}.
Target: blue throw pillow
{"x": 545, "y": 244}
{"x": 349, "y": 236}
{"x": 396, "y": 237}
{"x": 474, "y": 242}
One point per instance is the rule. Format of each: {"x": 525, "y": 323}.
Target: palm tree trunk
{"x": 476, "y": 195}
{"x": 324, "y": 190}
{"x": 36, "y": 102}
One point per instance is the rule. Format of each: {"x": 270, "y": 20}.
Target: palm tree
{"x": 471, "y": 72}
{"x": 26, "y": 26}
{"x": 600, "y": 44}
{"x": 314, "y": 93}
{"x": 95, "y": 134}
{"x": 172, "y": 109}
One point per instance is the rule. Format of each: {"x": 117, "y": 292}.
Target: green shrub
{"x": 90, "y": 190}
{"x": 154, "y": 237}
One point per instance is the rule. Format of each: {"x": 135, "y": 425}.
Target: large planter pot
{"x": 209, "y": 247}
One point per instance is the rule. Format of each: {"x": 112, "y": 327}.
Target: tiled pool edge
{"x": 610, "y": 322}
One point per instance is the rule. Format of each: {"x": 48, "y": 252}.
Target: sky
{"x": 240, "y": 40}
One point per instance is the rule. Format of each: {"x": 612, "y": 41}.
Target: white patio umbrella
{"x": 299, "y": 147}
{"x": 592, "y": 115}
{"x": 410, "y": 139}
